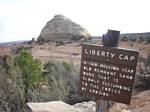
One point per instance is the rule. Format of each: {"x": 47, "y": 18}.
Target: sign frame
{"x": 106, "y": 56}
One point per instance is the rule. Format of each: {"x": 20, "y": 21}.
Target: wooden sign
{"x": 108, "y": 73}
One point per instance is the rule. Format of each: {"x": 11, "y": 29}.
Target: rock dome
{"x": 62, "y": 28}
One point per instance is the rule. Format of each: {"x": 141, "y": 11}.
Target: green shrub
{"x": 30, "y": 70}
{"x": 62, "y": 80}
{"x": 132, "y": 39}
{"x": 59, "y": 43}
{"x": 11, "y": 92}
{"x": 66, "y": 66}
{"x": 140, "y": 39}
{"x": 124, "y": 38}
{"x": 148, "y": 59}
{"x": 147, "y": 40}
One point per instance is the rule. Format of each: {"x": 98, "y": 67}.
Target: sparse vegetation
{"x": 136, "y": 38}
{"x": 124, "y": 38}
{"x": 148, "y": 59}
{"x": 148, "y": 40}
{"x": 133, "y": 39}
{"x": 131, "y": 44}
{"x": 62, "y": 80}
{"x": 11, "y": 92}
{"x": 31, "y": 72}
{"x": 58, "y": 43}
{"x": 20, "y": 75}
{"x": 76, "y": 37}
{"x": 141, "y": 39}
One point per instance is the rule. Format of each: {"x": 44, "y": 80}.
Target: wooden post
{"x": 110, "y": 39}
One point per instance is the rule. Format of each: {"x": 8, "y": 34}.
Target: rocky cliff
{"x": 62, "y": 28}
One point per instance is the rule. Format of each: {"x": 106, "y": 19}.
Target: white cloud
{"x": 24, "y": 19}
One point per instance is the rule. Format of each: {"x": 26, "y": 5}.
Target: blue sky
{"x": 24, "y": 19}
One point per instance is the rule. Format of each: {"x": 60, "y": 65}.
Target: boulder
{"x": 59, "y": 106}
{"x": 86, "y": 106}
{"x": 54, "y": 106}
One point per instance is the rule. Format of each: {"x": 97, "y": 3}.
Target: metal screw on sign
{"x": 109, "y": 40}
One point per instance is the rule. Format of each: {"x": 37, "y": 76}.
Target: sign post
{"x": 107, "y": 72}
{"x": 109, "y": 40}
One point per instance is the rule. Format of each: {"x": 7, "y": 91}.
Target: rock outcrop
{"x": 139, "y": 103}
{"x": 54, "y": 106}
{"x": 59, "y": 106}
{"x": 62, "y": 28}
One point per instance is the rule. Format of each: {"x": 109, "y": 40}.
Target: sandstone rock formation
{"x": 139, "y": 103}
{"x": 59, "y": 106}
{"x": 62, "y": 28}
{"x": 54, "y": 106}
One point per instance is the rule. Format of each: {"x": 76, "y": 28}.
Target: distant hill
{"x": 128, "y": 36}
{"x": 136, "y": 36}
{"x": 13, "y": 43}
{"x": 146, "y": 34}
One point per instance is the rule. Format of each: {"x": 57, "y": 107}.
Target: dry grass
{"x": 73, "y": 51}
